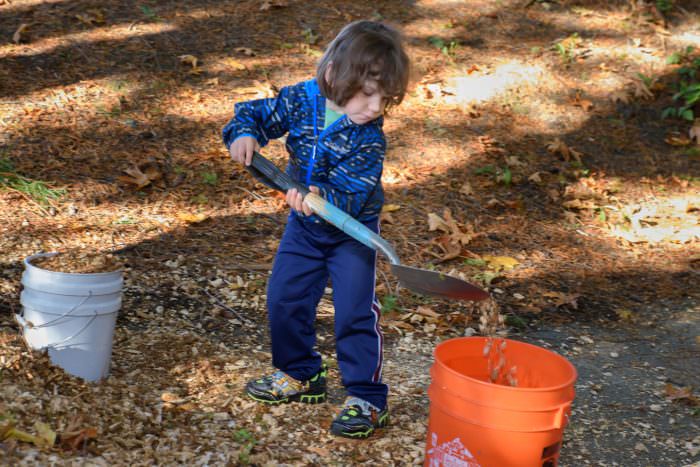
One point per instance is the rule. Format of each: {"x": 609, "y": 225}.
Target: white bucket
{"x": 72, "y": 315}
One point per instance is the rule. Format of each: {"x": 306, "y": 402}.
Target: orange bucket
{"x": 474, "y": 422}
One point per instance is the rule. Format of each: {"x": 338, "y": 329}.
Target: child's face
{"x": 367, "y": 105}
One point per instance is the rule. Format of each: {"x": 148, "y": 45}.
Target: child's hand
{"x": 242, "y": 149}
{"x": 296, "y": 200}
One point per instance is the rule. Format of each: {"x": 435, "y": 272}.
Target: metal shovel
{"x": 419, "y": 280}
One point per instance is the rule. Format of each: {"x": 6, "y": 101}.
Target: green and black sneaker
{"x": 280, "y": 388}
{"x": 358, "y": 419}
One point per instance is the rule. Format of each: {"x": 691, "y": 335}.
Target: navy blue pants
{"x": 308, "y": 255}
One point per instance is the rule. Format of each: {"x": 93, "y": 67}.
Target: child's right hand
{"x": 243, "y": 148}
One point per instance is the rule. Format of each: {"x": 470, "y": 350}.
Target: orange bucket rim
{"x": 570, "y": 382}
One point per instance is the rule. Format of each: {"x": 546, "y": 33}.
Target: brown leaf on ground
{"x": 270, "y": 4}
{"x": 678, "y": 140}
{"x": 135, "y": 177}
{"x": 20, "y": 34}
{"x": 561, "y": 299}
{"x": 685, "y": 394}
{"x": 559, "y": 147}
{"x": 641, "y": 90}
{"x": 466, "y": 189}
{"x": 585, "y": 104}
{"x": 188, "y": 60}
{"x": 694, "y": 131}
{"x": 245, "y": 51}
{"x": 436, "y": 222}
{"x": 620, "y": 96}
{"x": 142, "y": 175}
{"x": 535, "y": 177}
{"x": 76, "y": 435}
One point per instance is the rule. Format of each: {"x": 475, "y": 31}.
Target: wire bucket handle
{"x": 31, "y": 325}
{"x": 55, "y": 345}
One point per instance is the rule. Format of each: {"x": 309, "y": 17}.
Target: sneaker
{"x": 358, "y": 419}
{"x": 279, "y": 388}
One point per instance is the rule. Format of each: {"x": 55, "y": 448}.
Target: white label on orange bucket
{"x": 451, "y": 453}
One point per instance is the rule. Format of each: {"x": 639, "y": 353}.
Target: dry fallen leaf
{"x": 390, "y": 207}
{"x": 620, "y": 96}
{"x": 694, "y": 131}
{"x": 624, "y": 314}
{"x": 513, "y": 161}
{"x": 192, "y": 218}
{"x": 679, "y": 140}
{"x": 426, "y": 311}
{"x": 269, "y": 4}
{"x": 91, "y": 17}
{"x": 466, "y": 189}
{"x": 20, "y": 34}
{"x": 436, "y": 222}
{"x": 585, "y": 104}
{"x": 234, "y": 64}
{"x": 245, "y": 51}
{"x": 45, "y": 436}
{"x": 641, "y": 90}
{"x": 135, "y": 177}
{"x": 386, "y": 217}
{"x": 188, "y": 60}
{"x": 535, "y": 177}
{"x": 73, "y": 440}
{"x": 561, "y": 299}
{"x": 500, "y": 262}
{"x": 559, "y": 147}
{"x": 142, "y": 175}
{"x": 683, "y": 394}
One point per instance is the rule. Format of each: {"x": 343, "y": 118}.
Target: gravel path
{"x": 622, "y": 415}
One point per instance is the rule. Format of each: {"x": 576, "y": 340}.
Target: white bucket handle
{"x": 49, "y": 323}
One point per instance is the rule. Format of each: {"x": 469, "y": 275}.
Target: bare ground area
{"x": 530, "y": 156}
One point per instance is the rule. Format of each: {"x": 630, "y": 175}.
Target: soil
{"x": 529, "y": 156}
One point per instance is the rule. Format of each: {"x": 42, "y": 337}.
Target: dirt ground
{"x": 530, "y": 156}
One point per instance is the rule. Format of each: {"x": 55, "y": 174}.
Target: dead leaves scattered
{"x": 559, "y": 147}
{"x": 456, "y": 235}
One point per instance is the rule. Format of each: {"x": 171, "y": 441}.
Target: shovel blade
{"x": 437, "y": 284}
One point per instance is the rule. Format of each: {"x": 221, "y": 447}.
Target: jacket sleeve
{"x": 352, "y": 182}
{"x": 263, "y": 119}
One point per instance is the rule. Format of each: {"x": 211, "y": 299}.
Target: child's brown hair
{"x": 364, "y": 50}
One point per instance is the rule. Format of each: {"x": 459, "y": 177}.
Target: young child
{"x": 336, "y": 147}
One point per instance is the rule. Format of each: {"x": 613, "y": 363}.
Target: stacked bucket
{"x": 474, "y": 422}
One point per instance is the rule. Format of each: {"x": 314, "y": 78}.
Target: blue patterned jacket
{"x": 344, "y": 160}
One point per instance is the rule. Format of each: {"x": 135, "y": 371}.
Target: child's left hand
{"x": 296, "y": 200}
